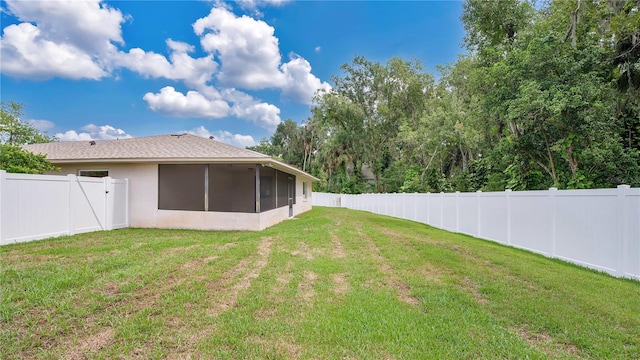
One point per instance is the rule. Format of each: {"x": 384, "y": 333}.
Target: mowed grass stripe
{"x": 333, "y": 283}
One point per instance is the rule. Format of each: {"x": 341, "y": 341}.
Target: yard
{"x": 333, "y": 283}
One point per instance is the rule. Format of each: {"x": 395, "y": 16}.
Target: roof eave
{"x": 258, "y": 160}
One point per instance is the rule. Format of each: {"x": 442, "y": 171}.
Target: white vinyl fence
{"x": 41, "y": 206}
{"x": 598, "y": 228}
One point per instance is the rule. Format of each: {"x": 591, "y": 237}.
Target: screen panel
{"x": 267, "y": 189}
{"x": 232, "y": 188}
{"x": 181, "y": 187}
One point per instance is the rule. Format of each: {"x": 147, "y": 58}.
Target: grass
{"x": 332, "y": 284}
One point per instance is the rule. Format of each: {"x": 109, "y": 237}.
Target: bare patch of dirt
{"x": 92, "y": 344}
{"x": 142, "y": 352}
{"x": 340, "y": 284}
{"x": 473, "y": 288}
{"x": 337, "y": 251}
{"x": 146, "y": 296}
{"x": 178, "y": 250}
{"x": 304, "y": 251}
{"x": 195, "y": 264}
{"x": 32, "y": 259}
{"x": 281, "y": 346}
{"x": 186, "y": 346}
{"x": 229, "y": 298}
{"x": 429, "y": 272}
{"x": 391, "y": 233}
{"x": 392, "y": 280}
{"x": 110, "y": 289}
{"x": 404, "y": 292}
{"x": 282, "y": 280}
{"x": 265, "y": 313}
{"x": 545, "y": 343}
{"x": 305, "y": 287}
{"x": 226, "y": 246}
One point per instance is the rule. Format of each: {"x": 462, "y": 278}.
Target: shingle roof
{"x": 184, "y": 146}
{"x": 169, "y": 148}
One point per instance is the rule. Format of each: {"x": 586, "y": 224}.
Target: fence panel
{"x": 530, "y": 221}
{"x": 120, "y": 207}
{"x": 26, "y": 213}
{"x": 88, "y": 204}
{"x": 422, "y": 207}
{"x": 40, "y": 206}
{"x": 631, "y": 244}
{"x": 587, "y": 228}
{"x": 597, "y": 228}
{"x": 468, "y": 213}
{"x": 449, "y": 212}
{"x": 493, "y": 217}
{"x": 435, "y": 210}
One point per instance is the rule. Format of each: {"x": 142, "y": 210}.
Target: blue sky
{"x": 107, "y": 69}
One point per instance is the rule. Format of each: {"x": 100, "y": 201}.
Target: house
{"x": 190, "y": 182}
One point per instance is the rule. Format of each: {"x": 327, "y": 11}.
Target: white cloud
{"x": 105, "y": 132}
{"x": 93, "y": 132}
{"x": 72, "y": 135}
{"x": 26, "y": 53}
{"x": 90, "y": 25}
{"x": 253, "y": 5}
{"x": 227, "y": 137}
{"x": 70, "y": 39}
{"x": 301, "y": 84}
{"x": 194, "y": 72}
{"x": 246, "y": 47}
{"x": 193, "y": 104}
{"x": 250, "y": 56}
{"x": 41, "y": 125}
{"x": 317, "y": 49}
{"x": 262, "y": 114}
{"x": 81, "y": 39}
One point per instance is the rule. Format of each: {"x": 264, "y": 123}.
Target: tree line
{"x": 13, "y": 134}
{"x": 544, "y": 97}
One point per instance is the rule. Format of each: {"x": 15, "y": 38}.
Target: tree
{"x": 545, "y": 94}
{"x": 15, "y": 159}
{"x": 14, "y": 133}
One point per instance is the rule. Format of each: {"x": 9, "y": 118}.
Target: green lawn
{"x": 331, "y": 284}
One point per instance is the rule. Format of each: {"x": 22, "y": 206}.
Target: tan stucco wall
{"x": 144, "y": 212}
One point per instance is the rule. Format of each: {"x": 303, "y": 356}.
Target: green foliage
{"x": 14, "y": 159}
{"x": 14, "y": 133}
{"x": 548, "y": 95}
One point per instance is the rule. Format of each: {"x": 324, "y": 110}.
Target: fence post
{"x": 128, "y": 202}
{"x": 441, "y": 209}
{"x": 71, "y": 180}
{"x": 457, "y": 211}
{"x": 479, "y": 214}
{"x": 415, "y": 206}
{"x": 108, "y": 202}
{"x": 428, "y": 210}
{"x": 507, "y": 193}
{"x": 404, "y": 205}
{"x": 552, "y": 221}
{"x": 3, "y": 175}
{"x": 623, "y": 226}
